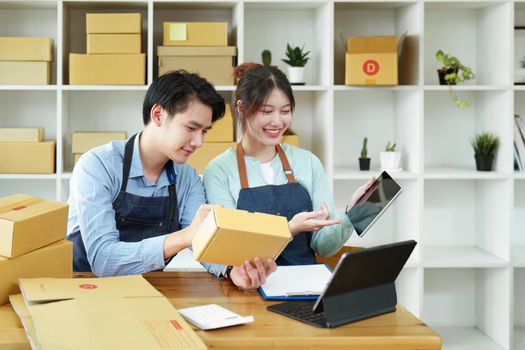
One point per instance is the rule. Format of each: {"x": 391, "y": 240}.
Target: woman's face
{"x": 272, "y": 119}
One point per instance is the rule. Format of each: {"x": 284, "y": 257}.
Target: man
{"x": 135, "y": 204}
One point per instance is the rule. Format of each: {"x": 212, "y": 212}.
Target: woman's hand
{"x": 312, "y": 220}
{"x": 360, "y": 192}
{"x": 248, "y": 276}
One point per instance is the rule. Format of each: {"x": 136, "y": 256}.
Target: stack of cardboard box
{"x": 113, "y": 51}
{"x": 198, "y": 47}
{"x": 81, "y": 142}
{"x": 218, "y": 139}
{"x": 32, "y": 232}
{"x": 24, "y": 151}
{"x": 25, "y": 60}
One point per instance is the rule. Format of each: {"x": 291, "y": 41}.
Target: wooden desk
{"x": 398, "y": 330}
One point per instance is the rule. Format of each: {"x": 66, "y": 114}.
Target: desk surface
{"x": 397, "y": 330}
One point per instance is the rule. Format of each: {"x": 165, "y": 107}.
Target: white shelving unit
{"x": 466, "y": 277}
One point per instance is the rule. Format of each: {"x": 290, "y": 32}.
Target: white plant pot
{"x": 296, "y": 75}
{"x": 390, "y": 161}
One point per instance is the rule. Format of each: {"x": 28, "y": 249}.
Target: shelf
{"x": 105, "y": 87}
{"x": 283, "y": 5}
{"x": 518, "y": 256}
{"x": 380, "y": 88}
{"x": 28, "y": 176}
{"x": 306, "y": 88}
{"x": 519, "y": 175}
{"x": 464, "y": 338}
{"x": 459, "y": 257}
{"x": 434, "y": 173}
{"x": 454, "y": 5}
{"x": 28, "y": 87}
{"x": 519, "y": 338}
{"x": 466, "y": 87}
{"x": 355, "y": 174}
{"x": 35, "y": 4}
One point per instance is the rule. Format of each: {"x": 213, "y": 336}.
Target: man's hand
{"x": 311, "y": 220}
{"x": 248, "y": 276}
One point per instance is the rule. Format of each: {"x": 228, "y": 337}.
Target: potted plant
{"x": 296, "y": 59}
{"x": 453, "y": 72}
{"x": 266, "y": 56}
{"x": 364, "y": 161}
{"x": 485, "y": 146}
{"x": 390, "y": 158}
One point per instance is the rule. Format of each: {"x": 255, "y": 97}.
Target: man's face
{"x": 182, "y": 134}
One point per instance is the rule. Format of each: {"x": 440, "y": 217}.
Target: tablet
{"x": 373, "y": 203}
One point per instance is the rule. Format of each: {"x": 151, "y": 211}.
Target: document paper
{"x": 296, "y": 281}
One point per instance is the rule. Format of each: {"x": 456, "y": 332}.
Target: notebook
{"x": 212, "y": 316}
{"x": 297, "y": 282}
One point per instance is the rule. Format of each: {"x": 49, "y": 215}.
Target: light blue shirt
{"x": 95, "y": 184}
{"x": 222, "y": 184}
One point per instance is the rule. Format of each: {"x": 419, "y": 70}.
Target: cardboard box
{"x": 27, "y": 157}
{"x": 76, "y": 157}
{"x": 110, "y": 69}
{"x": 113, "y": 43}
{"x": 371, "y": 61}
{"x": 113, "y": 23}
{"x": 231, "y": 236}
{"x": 21, "y": 134}
{"x": 25, "y": 73}
{"x": 202, "y": 156}
{"x": 28, "y": 223}
{"x": 195, "y": 34}
{"x": 105, "y": 313}
{"x": 26, "y": 49}
{"x": 81, "y": 142}
{"x": 19, "y": 306}
{"x": 216, "y": 64}
{"x": 222, "y": 130}
{"x": 291, "y": 140}
{"x": 54, "y": 260}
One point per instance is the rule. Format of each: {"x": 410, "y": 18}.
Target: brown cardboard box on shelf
{"x": 110, "y": 69}
{"x": 113, "y": 23}
{"x": 195, "y": 34}
{"x": 28, "y": 223}
{"x": 201, "y": 157}
{"x": 21, "y": 134}
{"x": 232, "y": 236}
{"x": 76, "y": 157}
{"x": 105, "y": 313}
{"x": 291, "y": 140}
{"x": 54, "y": 260}
{"x": 371, "y": 61}
{"x": 25, "y": 73}
{"x": 26, "y": 49}
{"x": 81, "y": 142}
{"x": 113, "y": 43}
{"x": 222, "y": 130}
{"x": 27, "y": 157}
{"x": 214, "y": 63}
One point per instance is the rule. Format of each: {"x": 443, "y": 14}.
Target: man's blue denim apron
{"x": 137, "y": 217}
{"x": 284, "y": 200}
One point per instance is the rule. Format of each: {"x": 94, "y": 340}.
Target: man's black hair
{"x": 176, "y": 90}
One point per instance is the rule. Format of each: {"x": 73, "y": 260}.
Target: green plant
{"x": 485, "y": 144}
{"x": 390, "y": 147}
{"x": 364, "y": 150}
{"x": 266, "y": 57}
{"x": 296, "y": 56}
{"x": 454, "y": 73}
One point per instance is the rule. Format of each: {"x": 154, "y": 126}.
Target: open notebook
{"x": 298, "y": 282}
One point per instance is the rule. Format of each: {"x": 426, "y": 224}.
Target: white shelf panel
{"x": 306, "y": 88}
{"x": 519, "y": 87}
{"x": 28, "y": 87}
{"x": 105, "y": 87}
{"x": 35, "y": 4}
{"x": 283, "y": 5}
{"x": 382, "y": 88}
{"x": 519, "y": 175}
{"x": 445, "y": 173}
{"x": 466, "y": 87}
{"x": 373, "y": 4}
{"x": 519, "y": 338}
{"x": 459, "y": 257}
{"x": 518, "y": 256}
{"x": 66, "y": 175}
{"x": 28, "y": 176}
{"x": 460, "y": 5}
{"x": 356, "y": 174}
{"x": 459, "y": 338}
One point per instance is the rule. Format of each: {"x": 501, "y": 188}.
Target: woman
{"x": 261, "y": 175}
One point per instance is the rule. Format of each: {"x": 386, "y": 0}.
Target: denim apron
{"x": 136, "y": 217}
{"x": 284, "y": 200}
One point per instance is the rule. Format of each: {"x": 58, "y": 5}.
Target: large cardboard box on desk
{"x": 25, "y": 72}
{"x": 371, "y": 61}
{"x": 27, "y": 157}
{"x": 21, "y": 134}
{"x": 113, "y": 23}
{"x": 214, "y": 63}
{"x": 231, "y": 236}
{"x": 202, "y": 156}
{"x": 105, "y": 314}
{"x": 26, "y": 49}
{"x": 28, "y": 223}
{"x": 195, "y": 33}
{"x": 109, "y": 69}
{"x": 81, "y": 142}
{"x": 222, "y": 130}
{"x": 54, "y": 260}
{"x": 113, "y": 43}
